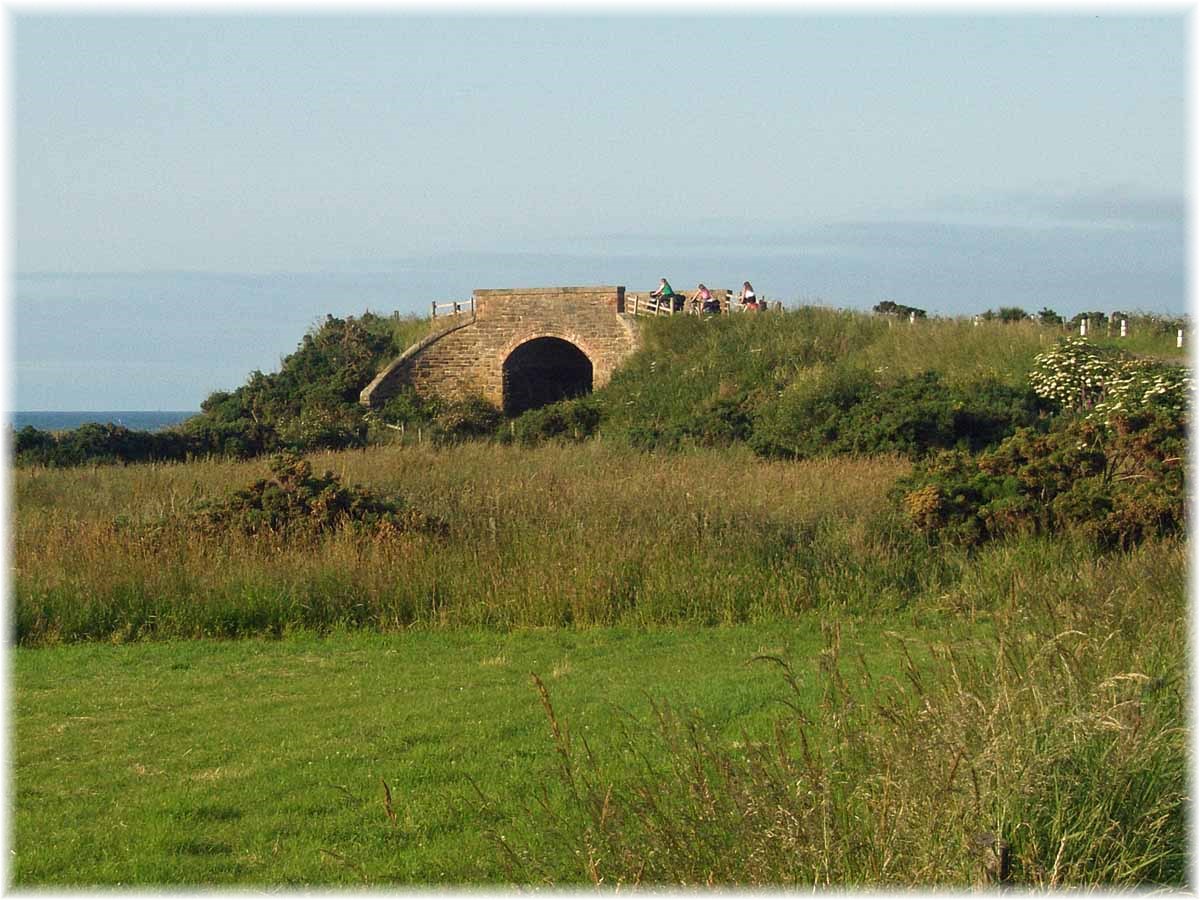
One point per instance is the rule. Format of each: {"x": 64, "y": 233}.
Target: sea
{"x": 133, "y": 419}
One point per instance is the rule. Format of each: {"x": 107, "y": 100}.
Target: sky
{"x": 191, "y": 192}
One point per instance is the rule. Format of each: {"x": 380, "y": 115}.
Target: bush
{"x": 312, "y": 401}
{"x": 574, "y": 419}
{"x": 1115, "y": 486}
{"x": 725, "y": 418}
{"x": 407, "y": 407}
{"x": 294, "y": 501}
{"x": 891, "y": 308}
{"x": 1073, "y": 373}
{"x": 465, "y": 419}
{"x": 841, "y": 411}
{"x": 1105, "y": 383}
{"x": 93, "y": 443}
{"x": 806, "y": 418}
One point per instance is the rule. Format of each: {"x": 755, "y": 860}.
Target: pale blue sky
{"x": 946, "y": 162}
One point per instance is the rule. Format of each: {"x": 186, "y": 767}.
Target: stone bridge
{"x": 518, "y": 349}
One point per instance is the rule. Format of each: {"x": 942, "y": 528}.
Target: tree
{"x": 1013, "y": 314}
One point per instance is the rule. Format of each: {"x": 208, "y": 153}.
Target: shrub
{"x": 33, "y": 446}
{"x": 407, "y": 407}
{"x": 806, "y": 418}
{"x": 725, "y": 418}
{"x": 294, "y": 501}
{"x": 574, "y": 419}
{"x": 1115, "y": 486}
{"x": 312, "y": 401}
{"x": 93, "y": 443}
{"x": 1073, "y": 373}
{"x": 1106, "y": 383}
{"x": 891, "y": 308}
{"x": 462, "y": 420}
{"x": 843, "y": 412}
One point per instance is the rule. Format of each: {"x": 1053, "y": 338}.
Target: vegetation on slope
{"x": 310, "y": 403}
{"x": 793, "y": 384}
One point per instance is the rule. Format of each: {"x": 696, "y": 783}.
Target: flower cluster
{"x": 1103, "y": 385}
{"x": 1139, "y": 385}
{"x": 1073, "y": 373}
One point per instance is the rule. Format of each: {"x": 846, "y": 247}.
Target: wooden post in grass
{"x": 433, "y": 307}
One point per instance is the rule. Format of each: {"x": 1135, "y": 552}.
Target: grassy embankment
{"x": 252, "y": 761}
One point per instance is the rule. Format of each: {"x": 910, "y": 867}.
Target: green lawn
{"x": 259, "y": 761}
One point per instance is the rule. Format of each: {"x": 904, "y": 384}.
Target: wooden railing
{"x": 642, "y": 304}
{"x": 452, "y": 308}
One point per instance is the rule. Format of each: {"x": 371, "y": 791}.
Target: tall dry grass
{"x": 554, "y": 536}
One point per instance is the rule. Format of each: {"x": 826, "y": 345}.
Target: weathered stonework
{"x": 467, "y": 357}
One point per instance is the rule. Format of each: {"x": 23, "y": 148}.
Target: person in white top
{"x": 749, "y": 299}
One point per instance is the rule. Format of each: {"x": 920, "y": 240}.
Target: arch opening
{"x": 544, "y": 370}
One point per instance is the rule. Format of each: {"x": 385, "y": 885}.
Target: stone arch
{"x": 544, "y": 368}
{"x": 465, "y": 357}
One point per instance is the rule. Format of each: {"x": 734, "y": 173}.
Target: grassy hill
{"x": 812, "y": 600}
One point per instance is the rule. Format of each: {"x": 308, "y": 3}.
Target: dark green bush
{"x": 93, "y": 443}
{"x": 1116, "y": 486}
{"x": 312, "y": 401}
{"x": 466, "y": 419}
{"x": 408, "y": 407}
{"x": 891, "y": 308}
{"x": 573, "y": 419}
{"x": 293, "y": 500}
{"x": 841, "y": 411}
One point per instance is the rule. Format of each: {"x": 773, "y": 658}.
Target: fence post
{"x": 1179, "y": 338}
{"x": 1123, "y": 329}
{"x": 1083, "y": 323}
{"x": 433, "y": 309}
{"x": 912, "y": 318}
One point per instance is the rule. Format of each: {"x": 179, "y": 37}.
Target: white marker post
{"x": 912, "y": 317}
{"x": 1083, "y": 327}
{"x": 1179, "y": 338}
{"x": 1123, "y": 329}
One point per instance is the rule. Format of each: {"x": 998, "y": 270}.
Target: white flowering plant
{"x": 1073, "y": 373}
{"x": 1143, "y": 386}
{"x": 1104, "y": 384}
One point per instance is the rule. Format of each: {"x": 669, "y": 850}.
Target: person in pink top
{"x": 705, "y": 300}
